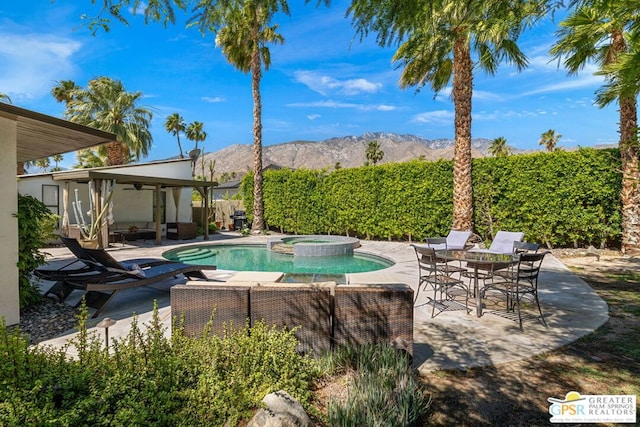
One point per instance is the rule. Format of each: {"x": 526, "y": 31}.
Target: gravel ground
{"x": 46, "y": 320}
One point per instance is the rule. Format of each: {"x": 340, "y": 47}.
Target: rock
{"x": 281, "y": 410}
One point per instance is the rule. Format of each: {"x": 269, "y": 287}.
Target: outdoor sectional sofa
{"x": 326, "y": 315}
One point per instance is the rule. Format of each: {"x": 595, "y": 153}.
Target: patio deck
{"x": 451, "y": 340}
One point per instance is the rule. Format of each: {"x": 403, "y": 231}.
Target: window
{"x": 163, "y": 207}
{"x": 50, "y": 198}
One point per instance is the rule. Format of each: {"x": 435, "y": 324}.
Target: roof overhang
{"x": 41, "y": 136}
{"x": 86, "y": 175}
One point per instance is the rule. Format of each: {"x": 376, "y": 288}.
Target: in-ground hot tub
{"x": 313, "y": 245}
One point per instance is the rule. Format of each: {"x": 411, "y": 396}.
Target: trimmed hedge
{"x": 558, "y": 199}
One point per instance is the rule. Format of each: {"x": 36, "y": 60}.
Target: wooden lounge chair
{"x": 114, "y": 276}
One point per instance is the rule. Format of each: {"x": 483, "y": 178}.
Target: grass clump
{"x": 384, "y": 390}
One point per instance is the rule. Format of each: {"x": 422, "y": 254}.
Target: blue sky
{"x": 323, "y": 82}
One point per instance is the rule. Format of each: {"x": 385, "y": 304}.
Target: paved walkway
{"x": 451, "y": 340}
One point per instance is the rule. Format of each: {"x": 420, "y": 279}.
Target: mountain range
{"x": 347, "y": 152}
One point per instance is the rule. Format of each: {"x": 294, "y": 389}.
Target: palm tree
{"x": 499, "y": 147}
{"x": 175, "y": 125}
{"x": 549, "y": 139}
{"x": 57, "y": 158}
{"x": 373, "y": 153}
{"x": 64, "y": 91}
{"x": 195, "y": 132}
{"x": 243, "y": 30}
{"x": 43, "y": 163}
{"x": 437, "y": 40}
{"x": 607, "y": 33}
{"x": 106, "y": 105}
{"x": 90, "y": 158}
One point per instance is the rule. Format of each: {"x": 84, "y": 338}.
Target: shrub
{"x": 558, "y": 199}
{"x": 148, "y": 378}
{"x": 35, "y": 225}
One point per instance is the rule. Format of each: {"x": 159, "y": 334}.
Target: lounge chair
{"x": 87, "y": 269}
{"x": 111, "y": 275}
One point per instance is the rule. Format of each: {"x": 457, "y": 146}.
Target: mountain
{"x": 348, "y": 151}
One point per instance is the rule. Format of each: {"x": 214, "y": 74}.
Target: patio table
{"x": 475, "y": 259}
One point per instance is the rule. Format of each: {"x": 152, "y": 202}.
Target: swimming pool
{"x": 258, "y": 258}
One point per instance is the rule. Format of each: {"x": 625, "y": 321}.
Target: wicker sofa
{"x": 326, "y": 315}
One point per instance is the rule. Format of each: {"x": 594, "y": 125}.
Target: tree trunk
{"x": 462, "y": 92}
{"x": 115, "y": 154}
{"x": 630, "y": 192}
{"x": 258, "y": 201}
{"x": 629, "y": 153}
{"x": 20, "y": 168}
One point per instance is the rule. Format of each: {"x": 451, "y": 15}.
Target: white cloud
{"x": 325, "y": 84}
{"x": 313, "y": 116}
{"x": 31, "y": 63}
{"x": 584, "y": 79}
{"x": 438, "y": 116}
{"x": 213, "y": 100}
{"x": 337, "y": 105}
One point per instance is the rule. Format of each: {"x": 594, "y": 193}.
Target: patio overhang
{"x": 39, "y": 135}
{"x": 87, "y": 175}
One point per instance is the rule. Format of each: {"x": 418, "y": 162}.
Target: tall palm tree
{"x": 373, "y": 153}
{"x": 608, "y": 34}
{"x": 499, "y": 147}
{"x": 438, "y": 43}
{"x": 243, "y": 30}
{"x": 175, "y": 125}
{"x": 106, "y": 105}
{"x": 549, "y": 139}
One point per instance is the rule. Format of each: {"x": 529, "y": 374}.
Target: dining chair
{"x": 518, "y": 248}
{"x": 436, "y": 275}
{"x": 444, "y": 266}
{"x": 504, "y": 242}
{"x": 523, "y": 282}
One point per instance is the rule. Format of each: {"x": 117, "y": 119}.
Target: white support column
{"x": 9, "y": 295}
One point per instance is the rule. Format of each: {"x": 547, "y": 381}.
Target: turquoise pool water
{"x": 258, "y": 258}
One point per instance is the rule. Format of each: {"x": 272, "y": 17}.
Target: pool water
{"x": 258, "y": 258}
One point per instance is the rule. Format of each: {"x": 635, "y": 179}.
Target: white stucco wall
{"x": 9, "y": 296}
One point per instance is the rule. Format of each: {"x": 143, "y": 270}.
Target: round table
{"x": 478, "y": 258}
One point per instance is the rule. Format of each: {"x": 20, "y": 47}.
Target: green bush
{"x": 35, "y": 225}
{"x": 149, "y": 379}
{"x": 558, "y": 199}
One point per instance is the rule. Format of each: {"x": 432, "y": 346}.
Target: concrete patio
{"x": 451, "y": 340}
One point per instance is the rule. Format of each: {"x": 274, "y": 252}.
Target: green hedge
{"x": 558, "y": 199}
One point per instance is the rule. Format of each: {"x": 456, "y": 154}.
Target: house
{"x": 133, "y": 203}
{"x": 26, "y": 136}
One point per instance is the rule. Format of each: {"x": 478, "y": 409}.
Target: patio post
{"x": 157, "y": 214}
